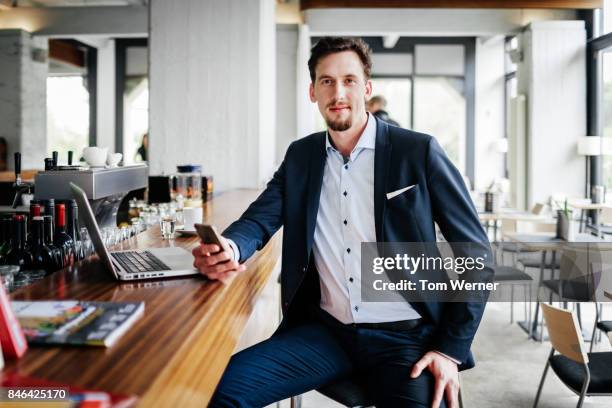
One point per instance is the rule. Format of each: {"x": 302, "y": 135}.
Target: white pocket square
{"x": 400, "y": 191}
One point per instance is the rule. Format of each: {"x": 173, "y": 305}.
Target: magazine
{"x": 74, "y": 322}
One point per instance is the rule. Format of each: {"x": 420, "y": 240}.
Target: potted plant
{"x": 567, "y": 227}
{"x": 491, "y": 202}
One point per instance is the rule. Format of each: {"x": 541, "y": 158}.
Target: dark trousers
{"x": 322, "y": 351}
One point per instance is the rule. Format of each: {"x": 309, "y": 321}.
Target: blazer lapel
{"x": 315, "y": 180}
{"x": 382, "y": 158}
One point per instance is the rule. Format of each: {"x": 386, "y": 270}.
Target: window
{"x": 600, "y": 99}
{"x": 67, "y": 115}
{"x": 607, "y": 16}
{"x": 397, "y": 92}
{"x": 132, "y": 98}
{"x": 439, "y": 110}
{"x": 71, "y": 121}
{"x": 607, "y": 116}
{"x": 136, "y": 117}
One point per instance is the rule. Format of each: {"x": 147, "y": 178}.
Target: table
{"x": 176, "y": 354}
{"x": 587, "y": 206}
{"x": 543, "y": 242}
{"x": 509, "y": 214}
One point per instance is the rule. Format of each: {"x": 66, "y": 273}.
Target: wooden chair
{"x": 586, "y": 374}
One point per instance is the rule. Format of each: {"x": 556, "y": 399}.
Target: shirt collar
{"x": 367, "y": 140}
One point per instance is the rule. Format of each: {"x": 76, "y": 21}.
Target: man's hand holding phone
{"x": 214, "y": 257}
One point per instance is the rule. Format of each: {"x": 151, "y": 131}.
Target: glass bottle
{"x": 42, "y": 257}
{"x": 61, "y": 239}
{"x": 72, "y": 226}
{"x": 18, "y": 255}
{"x": 35, "y": 211}
{"x": 55, "y": 251}
{"x": 5, "y": 237}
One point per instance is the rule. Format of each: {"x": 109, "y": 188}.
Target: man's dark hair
{"x": 331, "y": 45}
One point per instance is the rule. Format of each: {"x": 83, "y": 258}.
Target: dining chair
{"x": 585, "y": 374}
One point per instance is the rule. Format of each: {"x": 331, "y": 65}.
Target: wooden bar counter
{"x": 174, "y": 355}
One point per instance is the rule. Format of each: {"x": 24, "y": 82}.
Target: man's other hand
{"x": 215, "y": 265}
{"x": 446, "y": 374}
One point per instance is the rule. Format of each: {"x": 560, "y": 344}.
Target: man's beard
{"x": 339, "y": 125}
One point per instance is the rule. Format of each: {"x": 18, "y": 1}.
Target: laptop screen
{"x": 86, "y": 214}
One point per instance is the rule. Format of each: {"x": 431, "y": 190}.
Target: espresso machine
{"x": 105, "y": 187}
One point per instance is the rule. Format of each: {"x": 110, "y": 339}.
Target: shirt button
{"x": 346, "y": 167}
{"x": 356, "y": 308}
{"x": 348, "y": 250}
{"x": 350, "y": 279}
{"x": 345, "y": 222}
{"x": 345, "y": 193}
{"x": 304, "y": 269}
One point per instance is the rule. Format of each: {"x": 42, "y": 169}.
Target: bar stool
{"x": 349, "y": 392}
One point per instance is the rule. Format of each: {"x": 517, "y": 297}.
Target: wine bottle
{"x": 72, "y": 225}
{"x": 18, "y": 255}
{"x": 61, "y": 239}
{"x": 42, "y": 256}
{"x": 49, "y": 207}
{"x": 5, "y": 238}
{"x": 55, "y": 251}
{"x": 35, "y": 211}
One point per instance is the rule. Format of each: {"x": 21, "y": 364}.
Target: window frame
{"x": 121, "y": 46}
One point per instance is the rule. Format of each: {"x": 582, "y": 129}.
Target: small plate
{"x": 186, "y": 232}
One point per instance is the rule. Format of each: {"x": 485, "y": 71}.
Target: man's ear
{"x": 311, "y": 93}
{"x": 368, "y": 86}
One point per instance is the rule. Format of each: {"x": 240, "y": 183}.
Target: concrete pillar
{"x": 490, "y": 83}
{"x": 23, "y": 96}
{"x": 552, "y": 75}
{"x": 106, "y": 95}
{"x": 212, "y": 89}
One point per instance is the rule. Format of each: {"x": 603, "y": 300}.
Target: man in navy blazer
{"x": 362, "y": 180}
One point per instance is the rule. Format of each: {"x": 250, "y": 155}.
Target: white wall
{"x": 212, "y": 89}
{"x": 106, "y": 95}
{"x": 266, "y": 90}
{"x": 306, "y": 110}
{"x": 286, "y": 80}
{"x": 23, "y": 96}
{"x": 490, "y": 83}
{"x": 553, "y": 77}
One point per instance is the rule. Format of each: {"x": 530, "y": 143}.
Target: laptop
{"x": 137, "y": 264}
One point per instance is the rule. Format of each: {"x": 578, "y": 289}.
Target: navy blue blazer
{"x": 402, "y": 158}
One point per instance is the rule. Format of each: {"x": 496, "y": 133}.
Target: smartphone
{"x": 209, "y": 235}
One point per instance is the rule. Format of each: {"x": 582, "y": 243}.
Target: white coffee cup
{"x": 191, "y": 216}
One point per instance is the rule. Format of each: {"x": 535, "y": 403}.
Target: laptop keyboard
{"x": 138, "y": 262}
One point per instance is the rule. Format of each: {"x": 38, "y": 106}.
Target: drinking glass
{"x": 168, "y": 226}
{"x": 86, "y": 243}
{"x": 7, "y": 275}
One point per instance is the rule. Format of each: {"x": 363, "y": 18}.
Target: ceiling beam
{"x": 61, "y": 22}
{"x": 484, "y": 4}
{"x": 66, "y": 52}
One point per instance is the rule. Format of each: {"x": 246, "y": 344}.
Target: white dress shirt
{"x": 346, "y": 219}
